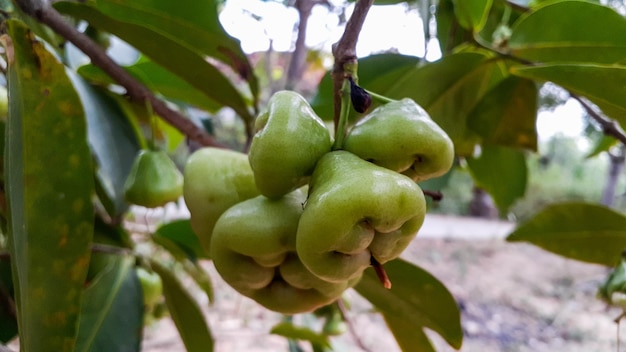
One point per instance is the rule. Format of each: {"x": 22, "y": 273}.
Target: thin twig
{"x": 344, "y": 51}
{"x": 609, "y": 127}
{"x": 344, "y": 313}
{"x": 103, "y": 248}
{"x": 137, "y": 92}
{"x": 434, "y": 195}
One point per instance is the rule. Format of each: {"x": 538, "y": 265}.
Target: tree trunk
{"x": 482, "y": 205}
{"x": 298, "y": 58}
{"x": 616, "y": 167}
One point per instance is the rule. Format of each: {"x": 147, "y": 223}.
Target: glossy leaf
{"x": 502, "y": 172}
{"x": 603, "y": 144}
{"x": 168, "y": 52}
{"x": 8, "y": 319}
{"x": 507, "y": 115}
{"x": 372, "y": 69}
{"x": 415, "y": 297}
{"x": 166, "y": 137}
{"x": 194, "y": 24}
{"x": 290, "y": 331}
{"x": 181, "y": 234}
{"x": 570, "y": 31}
{"x": 449, "y": 90}
{"x": 112, "y": 309}
{"x": 190, "y": 266}
{"x": 581, "y": 231}
{"x": 601, "y": 84}
{"x": 49, "y": 188}
{"x": 450, "y": 34}
{"x": 472, "y": 14}
{"x": 178, "y": 238}
{"x": 159, "y": 80}
{"x": 185, "y": 312}
{"x": 112, "y": 141}
{"x": 497, "y": 27}
{"x": 111, "y": 234}
{"x": 409, "y": 337}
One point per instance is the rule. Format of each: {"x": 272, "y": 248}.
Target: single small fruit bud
{"x": 361, "y": 99}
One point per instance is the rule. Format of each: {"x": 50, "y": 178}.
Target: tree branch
{"x": 344, "y": 51}
{"x": 344, "y": 313}
{"x": 137, "y": 92}
{"x": 298, "y": 58}
{"x": 609, "y": 127}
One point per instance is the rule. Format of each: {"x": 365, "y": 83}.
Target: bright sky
{"x": 256, "y": 22}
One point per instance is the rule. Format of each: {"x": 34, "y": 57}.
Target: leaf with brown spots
{"x": 49, "y": 185}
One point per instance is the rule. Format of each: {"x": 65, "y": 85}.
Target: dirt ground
{"x": 513, "y": 297}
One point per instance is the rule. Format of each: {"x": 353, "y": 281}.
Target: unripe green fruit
{"x": 355, "y": 211}
{"x": 151, "y": 286}
{"x": 215, "y": 180}
{"x": 154, "y": 180}
{"x": 402, "y": 137}
{"x": 289, "y": 140}
{"x": 253, "y": 249}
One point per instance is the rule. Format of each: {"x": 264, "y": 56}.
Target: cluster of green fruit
{"x": 294, "y": 223}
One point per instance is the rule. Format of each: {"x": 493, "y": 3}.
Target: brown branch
{"x": 344, "y": 313}
{"x": 434, "y": 195}
{"x": 344, "y": 51}
{"x": 298, "y": 58}
{"x": 609, "y": 127}
{"x": 137, "y": 92}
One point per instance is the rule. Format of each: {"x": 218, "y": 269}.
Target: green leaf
{"x": 112, "y": 309}
{"x": 185, "y": 312}
{"x": 472, "y": 14}
{"x": 157, "y": 79}
{"x": 178, "y": 238}
{"x": 502, "y": 172}
{"x": 449, "y": 90}
{"x": 49, "y": 184}
{"x": 586, "y": 232}
{"x": 410, "y": 338}
{"x": 603, "y": 144}
{"x": 112, "y": 141}
{"x": 111, "y": 234}
{"x": 601, "y": 84}
{"x": 8, "y": 319}
{"x": 166, "y": 51}
{"x": 570, "y": 31}
{"x": 449, "y": 33}
{"x": 416, "y": 297}
{"x": 507, "y": 115}
{"x": 290, "y": 331}
{"x": 372, "y": 69}
{"x": 194, "y": 24}
{"x": 180, "y": 233}
{"x": 191, "y": 267}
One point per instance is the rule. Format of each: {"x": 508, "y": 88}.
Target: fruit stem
{"x": 340, "y": 132}
{"x": 380, "y": 98}
{"x": 153, "y": 126}
{"x": 381, "y": 273}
